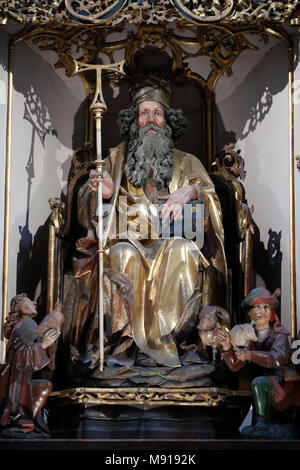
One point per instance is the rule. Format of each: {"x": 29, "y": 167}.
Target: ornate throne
{"x": 149, "y": 50}
{"x": 165, "y": 32}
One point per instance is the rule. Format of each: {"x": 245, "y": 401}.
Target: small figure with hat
{"x": 264, "y": 358}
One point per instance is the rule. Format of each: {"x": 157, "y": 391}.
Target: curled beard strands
{"x": 150, "y": 155}
{"x": 125, "y": 119}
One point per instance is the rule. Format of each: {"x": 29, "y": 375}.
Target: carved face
{"x": 151, "y": 112}
{"x": 261, "y": 314}
{"x": 28, "y": 307}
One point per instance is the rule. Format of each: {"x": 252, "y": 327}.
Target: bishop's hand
{"x": 175, "y": 202}
{"x": 107, "y": 183}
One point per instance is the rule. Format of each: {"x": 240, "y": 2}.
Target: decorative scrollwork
{"x": 56, "y": 217}
{"x": 149, "y": 397}
{"x": 44, "y": 11}
{"x": 222, "y": 44}
{"x": 89, "y": 11}
{"x": 255, "y": 11}
{"x": 81, "y": 43}
{"x": 205, "y": 11}
{"x": 113, "y": 12}
{"x": 148, "y": 12}
{"x": 264, "y": 11}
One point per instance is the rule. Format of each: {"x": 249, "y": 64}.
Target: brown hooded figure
{"x": 28, "y": 351}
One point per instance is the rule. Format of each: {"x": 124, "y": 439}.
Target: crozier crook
{"x": 97, "y": 109}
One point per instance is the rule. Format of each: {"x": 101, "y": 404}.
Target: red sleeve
{"x": 232, "y": 362}
{"x": 277, "y": 357}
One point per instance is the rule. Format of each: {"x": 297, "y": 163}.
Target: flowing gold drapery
{"x": 164, "y": 272}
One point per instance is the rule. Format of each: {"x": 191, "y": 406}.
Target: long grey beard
{"x": 150, "y": 156}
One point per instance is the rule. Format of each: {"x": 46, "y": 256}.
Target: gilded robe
{"x": 164, "y": 273}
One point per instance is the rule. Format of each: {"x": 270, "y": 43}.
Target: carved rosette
{"x": 89, "y": 11}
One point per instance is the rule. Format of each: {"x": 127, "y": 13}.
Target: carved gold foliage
{"x": 254, "y": 11}
{"x": 112, "y": 12}
{"x": 68, "y": 42}
{"x": 222, "y": 45}
{"x": 205, "y": 11}
{"x": 84, "y": 43}
{"x": 149, "y": 397}
{"x": 93, "y": 11}
{"x": 258, "y": 11}
{"x": 43, "y": 11}
{"x": 56, "y": 217}
{"x": 148, "y": 12}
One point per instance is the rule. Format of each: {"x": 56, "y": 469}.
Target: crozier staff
{"x": 98, "y": 108}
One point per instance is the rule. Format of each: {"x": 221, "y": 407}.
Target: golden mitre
{"x": 151, "y": 90}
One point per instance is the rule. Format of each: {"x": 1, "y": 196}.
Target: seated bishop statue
{"x": 152, "y": 276}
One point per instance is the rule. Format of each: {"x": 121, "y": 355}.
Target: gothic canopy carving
{"x": 114, "y": 12}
